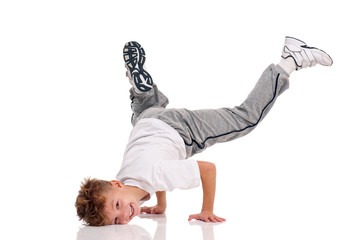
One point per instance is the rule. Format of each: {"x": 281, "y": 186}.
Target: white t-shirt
{"x": 154, "y": 159}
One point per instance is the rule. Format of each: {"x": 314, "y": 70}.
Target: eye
{"x": 117, "y": 205}
{"x": 115, "y": 220}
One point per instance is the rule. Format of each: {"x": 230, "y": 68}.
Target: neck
{"x": 138, "y": 193}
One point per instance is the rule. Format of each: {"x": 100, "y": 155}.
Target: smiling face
{"x": 120, "y": 206}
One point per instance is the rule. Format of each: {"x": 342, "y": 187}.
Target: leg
{"x": 203, "y": 128}
{"x": 141, "y": 102}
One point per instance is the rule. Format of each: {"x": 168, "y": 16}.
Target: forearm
{"x": 208, "y": 178}
{"x": 161, "y": 198}
{"x": 207, "y": 171}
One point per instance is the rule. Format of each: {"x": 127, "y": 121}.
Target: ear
{"x": 116, "y": 183}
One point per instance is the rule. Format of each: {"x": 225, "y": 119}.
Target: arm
{"x": 161, "y": 204}
{"x": 208, "y": 177}
{"x": 161, "y": 200}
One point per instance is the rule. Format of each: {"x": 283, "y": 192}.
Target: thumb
{"x": 144, "y": 209}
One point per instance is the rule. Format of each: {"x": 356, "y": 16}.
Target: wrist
{"x": 207, "y": 207}
{"x": 162, "y": 204}
{"x": 207, "y": 210}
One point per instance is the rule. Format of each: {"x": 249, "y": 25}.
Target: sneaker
{"x": 303, "y": 55}
{"x": 134, "y": 57}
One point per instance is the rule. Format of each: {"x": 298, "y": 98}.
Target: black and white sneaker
{"x": 134, "y": 57}
{"x": 303, "y": 55}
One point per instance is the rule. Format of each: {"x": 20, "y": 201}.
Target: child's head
{"x": 90, "y": 202}
{"x": 102, "y": 203}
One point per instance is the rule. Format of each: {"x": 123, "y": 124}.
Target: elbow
{"x": 207, "y": 167}
{"x": 211, "y": 167}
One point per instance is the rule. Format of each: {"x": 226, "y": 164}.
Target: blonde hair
{"x": 91, "y": 201}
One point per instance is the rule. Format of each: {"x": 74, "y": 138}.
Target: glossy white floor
{"x": 167, "y": 227}
{"x": 64, "y": 114}
{"x": 150, "y": 227}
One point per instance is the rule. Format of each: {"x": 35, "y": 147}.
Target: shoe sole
{"x": 134, "y": 57}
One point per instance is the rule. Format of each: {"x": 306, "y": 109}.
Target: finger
{"x": 194, "y": 216}
{"x": 145, "y": 209}
{"x": 219, "y": 219}
{"x": 213, "y": 219}
{"x": 206, "y": 219}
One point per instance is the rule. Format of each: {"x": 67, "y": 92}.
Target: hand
{"x": 206, "y": 216}
{"x": 157, "y": 209}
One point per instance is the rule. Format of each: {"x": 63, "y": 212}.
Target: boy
{"x": 161, "y": 140}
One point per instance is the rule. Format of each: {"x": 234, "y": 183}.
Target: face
{"x": 120, "y": 205}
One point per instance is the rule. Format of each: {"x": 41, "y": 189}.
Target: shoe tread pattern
{"x": 134, "y": 57}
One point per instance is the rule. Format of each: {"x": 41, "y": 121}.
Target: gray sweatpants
{"x": 203, "y": 128}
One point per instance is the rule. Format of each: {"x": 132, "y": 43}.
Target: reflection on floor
{"x": 141, "y": 230}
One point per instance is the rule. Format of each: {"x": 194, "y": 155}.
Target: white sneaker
{"x": 134, "y": 57}
{"x": 303, "y": 55}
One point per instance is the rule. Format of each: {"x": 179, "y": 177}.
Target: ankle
{"x": 288, "y": 65}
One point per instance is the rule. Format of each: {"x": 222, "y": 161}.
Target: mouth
{"x": 131, "y": 211}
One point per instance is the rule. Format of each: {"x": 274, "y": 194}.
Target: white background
{"x": 65, "y": 112}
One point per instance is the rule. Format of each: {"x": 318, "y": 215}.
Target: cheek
{"x": 136, "y": 208}
{"x": 125, "y": 222}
